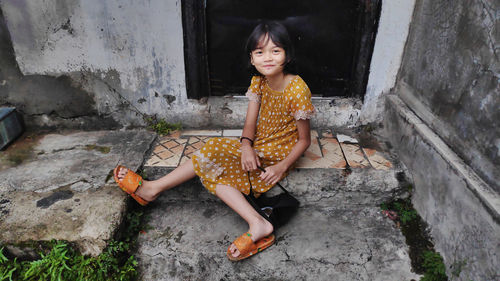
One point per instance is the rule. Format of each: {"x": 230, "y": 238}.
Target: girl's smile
{"x": 268, "y": 58}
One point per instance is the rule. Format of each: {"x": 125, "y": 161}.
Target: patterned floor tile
{"x": 167, "y": 152}
{"x": 354, "y": 155}
{"x": 311, "y": 156}
{"x": 377, "y": 160}
{"x": 194, "y": 143}
{"x": 173, "y": 135}
{"x": 327, "y": 133}
{"x": 314, "y": 134}
{"x": 332, "y": 153}
{"x": 323, "y": 154}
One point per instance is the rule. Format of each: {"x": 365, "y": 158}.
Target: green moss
{"x": 434, "y": 267}
{"x": 405, "y": 211}
{"x": 18, "y": 156}
{"x": 424, "y": 259}
{"x": 101, "y": 149}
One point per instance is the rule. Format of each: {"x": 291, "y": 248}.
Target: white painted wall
{"x": 139, "y": 43}
{"x": 391, "y": 38}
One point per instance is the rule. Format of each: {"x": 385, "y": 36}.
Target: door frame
{"x": 196, "y": 55}
{"x": 195, "y": 48}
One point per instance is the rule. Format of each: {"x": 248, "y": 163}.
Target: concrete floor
{"x": 338, "y": 233}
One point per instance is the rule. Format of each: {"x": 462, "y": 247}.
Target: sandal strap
{"x": 244, "y": 243}
{"x": 132, "y": 181}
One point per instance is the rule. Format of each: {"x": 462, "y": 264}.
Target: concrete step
{"x": 337, "y": 234}
{"x": 318, "y": 187}
{"x": 64, "y": 189}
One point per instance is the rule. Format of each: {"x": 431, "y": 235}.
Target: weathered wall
{"x": 462, "y": 210}
{"x": 116, "y": 61}
{"x": 124, "y": 58}
{"x": 41, "y": 96}
{"x": 451, "y": 70}
{"x": 444, "y": 123}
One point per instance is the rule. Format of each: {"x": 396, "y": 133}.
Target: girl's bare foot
{"x": 258, "y": 229}
{"x": 146, "y": 191}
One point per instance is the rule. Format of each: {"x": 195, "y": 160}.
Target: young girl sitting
{"x": 276, "y": 133}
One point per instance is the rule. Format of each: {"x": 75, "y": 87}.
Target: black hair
{"x": 278, "y": 33}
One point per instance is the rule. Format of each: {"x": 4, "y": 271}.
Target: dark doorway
{"x": 333, "y": 40}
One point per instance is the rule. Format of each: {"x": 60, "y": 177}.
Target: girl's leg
{"x": 258, "y": 226}
{"x": 149, "y": 190}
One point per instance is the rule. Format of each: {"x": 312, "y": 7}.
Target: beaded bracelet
{"x": 245, "y": 138}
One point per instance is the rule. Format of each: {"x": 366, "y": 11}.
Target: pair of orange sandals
{"x": 132, "y": 181}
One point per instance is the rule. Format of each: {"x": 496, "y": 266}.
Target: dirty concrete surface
{"x": 338, "y": 233}
{"x": 64, "y": 190}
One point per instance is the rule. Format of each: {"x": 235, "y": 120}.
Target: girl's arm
{"x": 274, "y": 173}
{"x": 249, "y": 159}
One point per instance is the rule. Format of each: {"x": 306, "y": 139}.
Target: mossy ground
{"x": 424, "y": 258}
{"x": 19, "y": 151}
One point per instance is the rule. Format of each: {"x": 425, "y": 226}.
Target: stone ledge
{"x": 88, "y": 219}
{"x": 461, "y": 210}
{"x": 66, "y": 190}
{"x": 313, "y": 187}
{"x": 488, "y": 196}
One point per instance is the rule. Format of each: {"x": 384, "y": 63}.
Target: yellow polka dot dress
{"x": 219, "y": 160}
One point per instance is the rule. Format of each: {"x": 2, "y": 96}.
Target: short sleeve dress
{"x": 219, "y": 160}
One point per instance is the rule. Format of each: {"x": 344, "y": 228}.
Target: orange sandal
{"x": 130, "y": 183}
{"x": 248, "y": 248}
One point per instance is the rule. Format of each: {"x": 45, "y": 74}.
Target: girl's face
{"x": 268, "y": 58}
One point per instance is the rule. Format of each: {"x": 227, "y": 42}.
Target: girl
{"x": 276, "y": 133}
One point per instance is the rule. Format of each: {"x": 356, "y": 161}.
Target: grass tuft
{"x": 434, "y": 267}
{"x": 63, "y": 262}
{"x": 424, "y": 259}
{"x": 161, "y": 126}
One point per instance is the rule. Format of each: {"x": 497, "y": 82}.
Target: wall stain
{"x": 169, "y": 98}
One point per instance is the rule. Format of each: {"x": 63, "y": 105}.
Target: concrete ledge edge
{"x": 488, "y": 197}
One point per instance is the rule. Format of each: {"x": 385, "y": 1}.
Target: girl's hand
{"x": 273, "y": 173}
{"x": 249, "y": 159}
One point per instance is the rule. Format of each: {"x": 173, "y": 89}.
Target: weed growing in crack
{"x": 424, "y": 259}
{"x": 63, "y": 262}
{"x": 405, "y": 211}
{"x": 161, "y": 126}
{"x": 434, "y": 267}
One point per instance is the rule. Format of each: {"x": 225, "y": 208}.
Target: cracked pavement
{"x": 338, "y": 233}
